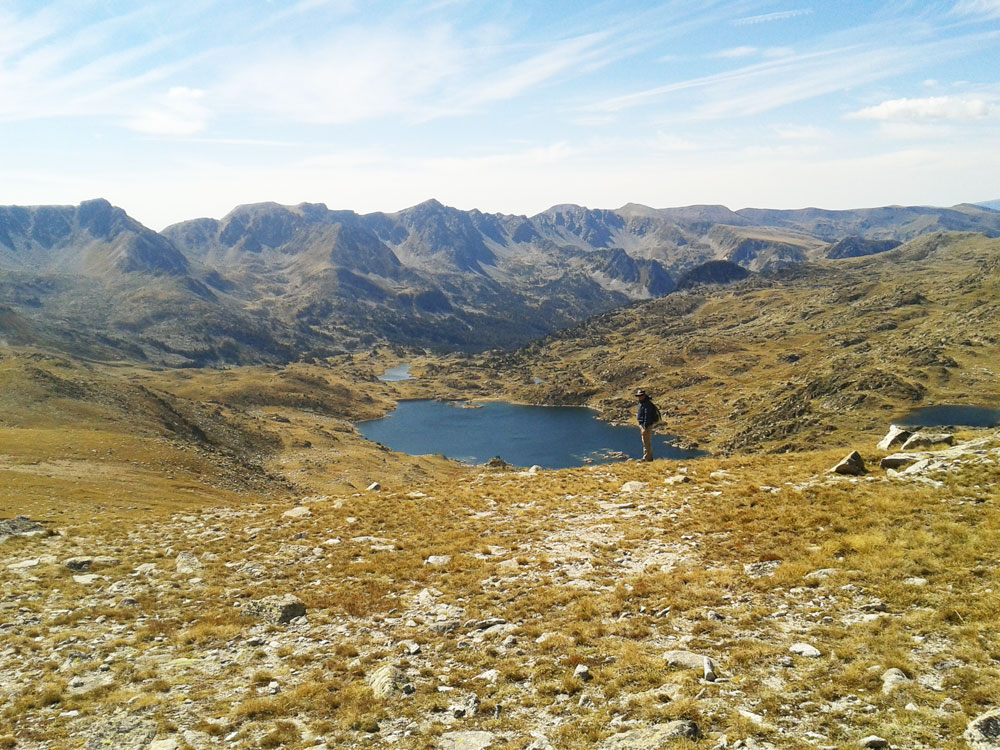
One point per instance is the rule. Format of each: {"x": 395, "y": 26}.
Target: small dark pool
{"x": 396, "y": 374}
{"x": 951, "y": 416}
{"x": 551, "y": 437}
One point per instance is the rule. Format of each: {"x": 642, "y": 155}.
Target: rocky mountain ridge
{"x": 276, "y": 283}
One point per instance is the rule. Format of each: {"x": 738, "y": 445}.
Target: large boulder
{"x": 927, "y": 439}
{"x": 895, "y": 436}
{"x": 851, "y": 465}
{"x": 277, "y": 609}
{"x": 898, "y": 460}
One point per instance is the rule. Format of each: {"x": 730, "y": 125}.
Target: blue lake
{"x": 552, "y": 437}
{"x": 951, "y": 416}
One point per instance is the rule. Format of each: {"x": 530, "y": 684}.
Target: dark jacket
{"x": 647, "y": 415}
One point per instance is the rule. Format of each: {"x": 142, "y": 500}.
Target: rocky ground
{"x": 750, "y": 602}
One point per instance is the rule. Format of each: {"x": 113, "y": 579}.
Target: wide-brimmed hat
{"x": 640, "y": 392}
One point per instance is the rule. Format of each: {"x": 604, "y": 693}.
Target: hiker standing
{"x": 648, "y": 416}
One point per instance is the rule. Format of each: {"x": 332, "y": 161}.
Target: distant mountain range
{"x": 276, "y": 283}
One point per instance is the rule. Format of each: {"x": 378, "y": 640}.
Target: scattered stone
{"x": 582, "y": 672}
{"x": 691, "y": 660}
{"x": 895, "y": 436}
{"x": 873, "y": 740}
{"x": 299, "y": 511}
{"x": 167, "y": 744}
{"x": 188, "y": 562}
{"x": 647, "y": 738}
{"x": 497, "y": 464}
{"x": 442, "y": 627}
{"x": 761, "y": 569}
{"x": 915, "y": 581}
{"x": 374, "y": 487}
{"x": 145, "y": 569}
{"x": 874, "y": 607}
{"x": 81, "y": 685}
{"x": 389, "y": 681}
{"x": 437, "y": 561}
{"x": 466, "y": 740}
{"x": 87, "y": 579}
{"x": 928, "y": 439}
{"x": 820, "y": 574}
{"x": 983, "y": 732}
{"x": 804, "y": 649}
{"x": 126, "y": 733}
{"x": 677, "y": 479}
{"x": 898, "y": 460}
{"x": 84, "y": 563}
{"x": 634, "y": 486}
{"x": 892, "y": 679}
{"x": 490, "y": 676}
{"x": 33, "y": 562}
{"x": 19, "y": 525}
{"x": 277, "y": 609}
{"x": 851, "y": 465}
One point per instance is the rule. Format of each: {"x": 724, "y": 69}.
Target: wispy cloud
{"x": 766, "y": 85}
{"x": 987, "y": 8}
{"x": 768, "y": 17}
{"x": 733, "y": 53}
{"x": 927, "y": 109}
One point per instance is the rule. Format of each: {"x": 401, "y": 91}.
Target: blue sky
{"x": 180, "y": 109}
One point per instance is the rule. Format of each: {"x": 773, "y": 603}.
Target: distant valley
{"x": 273, "y": 283}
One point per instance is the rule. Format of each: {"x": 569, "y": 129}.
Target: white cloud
{"x": 734, "y": 52}
{"x": 767, "y": 17}
{"x": 801, "y": 133}
{"x": 927, "y": 109}
{"x": 179, "y": 112}
{"x": 988, "y": 8}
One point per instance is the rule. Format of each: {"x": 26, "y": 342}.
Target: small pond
{"x": 549, "y": 436}
{"x": 396, "y": 374}
{"x": 950, "y": 416}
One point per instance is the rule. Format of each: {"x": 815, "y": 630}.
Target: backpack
{"x": 656, "y": 412}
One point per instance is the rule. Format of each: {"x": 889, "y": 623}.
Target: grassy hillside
{"x": 819, "y": 354}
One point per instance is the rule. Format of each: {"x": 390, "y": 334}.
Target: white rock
{"x": 87, "y": 579}
{"x": 874, "y": 741}
{"x": 299, "y": 511}
{"x": 187, "y": 562}
{"x": 634, "y": 486}
{"x": 25, "y": 564}
{"x": 804, "y": 649}
{"x": 895, "y": 436}
{"x": 927, "y": 439}
{"x": 437, "y": 561}
{"x": 466, "y": 740}
{"x": 374, "y": 487}
{"x": 167, "y": 744}
{"x": 892, "y": 679}
{"x": 983, "y": 732}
